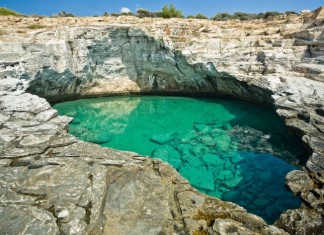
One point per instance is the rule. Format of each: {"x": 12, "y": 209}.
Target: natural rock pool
{"x": 233, "y": 150}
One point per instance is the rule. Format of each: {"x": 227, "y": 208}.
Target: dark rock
{"x": 320, "y": 111}
{"x": 301, "y": 222}
{"x": 304, "y": 115}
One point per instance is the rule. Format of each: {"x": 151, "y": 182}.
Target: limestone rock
{"x": 301, "y": 221}
{"x": 299, "y": 181}
{"x": 26, "y": 219}
{"x": 52, "y": 183}
{"x": 25, "y": 103}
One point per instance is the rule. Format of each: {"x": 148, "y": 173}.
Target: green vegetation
{"x": 244, "y": 16}
{"x": 271, "y": 14}
{"x": 127, "y": 14}
{"x": 8, "y": 12}
{"x": 223, "y": 16}
{"x": 35, "y": 26}
{"x": 248, "y": 16}
{"x": 141, "y": 13}
{"x": 291, "y": 13}
{"x": 64, "y": 14}
{"x": 198, "y": 16}
{"x": 158, "y": 14}
{"x": 171, "y": 12}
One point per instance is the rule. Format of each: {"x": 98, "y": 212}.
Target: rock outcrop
{"x": 52, "y": 183}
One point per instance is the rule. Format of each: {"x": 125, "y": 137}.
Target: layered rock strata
{"x": 53, "y": 183}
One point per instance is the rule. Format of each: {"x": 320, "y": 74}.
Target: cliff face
{"x": 277, "y": 62}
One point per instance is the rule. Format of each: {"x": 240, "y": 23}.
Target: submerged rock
{"x": 162, "y": 154}
{"x": 162, "y": 138}
{"x": 202, "y": 128}
{"x": 99, "y": 137}
{"x": 188, "y": 136}
{"x": 213, "y": 160}
{"x": 208, "y": 141}
{"x": 168, "y": 154}
{"x": 202, "y": 178}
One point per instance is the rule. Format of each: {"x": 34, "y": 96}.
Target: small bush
{"x": 223, "y": 16}
{"x": 8, "y": 12}
{"x": 198, "y": 16}
{"x": 201, "y": 16}
{"x": 127, "y": 14}
{"x": 291, "y": 13}
{"x": 115, "y": 14}
{"x": 244, "y": 16}
{"x": 105, "y": 14}
{"x": 35, "y": 26}
{"x": 158, "y": 14}
{"x": 64, "y": 14}
{"x": 141, "y": 13}
{"x": 171, "y": 12}
{"x": 271, "y": 14}
{"x": 261, "y": 15}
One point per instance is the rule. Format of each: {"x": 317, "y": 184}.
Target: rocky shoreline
{"x": 52, "y": 183}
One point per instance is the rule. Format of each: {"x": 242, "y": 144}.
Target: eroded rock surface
{"x": 52, "y": 183}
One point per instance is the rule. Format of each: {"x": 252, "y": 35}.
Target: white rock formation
{"x": 278, "y": 62}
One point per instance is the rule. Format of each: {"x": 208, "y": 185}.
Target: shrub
{"x": 8, "y": 12}
{"x": 201, "y": 16}
{"x": 244, "y": 16}
{"x": 223, "y": 16}
{"x": 198, "y": 16}
{"x": 271, "y": 14}
{"x": 158, "y": 14}
{"x": 171, "y": 12}
{"x": 261, "y": 15}
{"x": 105, "y": 14}
{"x": 141, "y": 13}
{"x": 127, "y": 14}
{"x": 248, "y": 16}
{"x": 64, "y": 14}
{"x": 115, "y": 14}
{"x": 291, "y": 13}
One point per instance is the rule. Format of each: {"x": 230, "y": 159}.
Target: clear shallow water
{"x": 229, "y": 149}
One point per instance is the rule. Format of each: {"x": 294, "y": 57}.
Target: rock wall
{"x": 73, "y": 62}
{"x": 93, "y": 190}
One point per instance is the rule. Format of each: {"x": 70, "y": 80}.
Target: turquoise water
{"x": 232, "y": 150}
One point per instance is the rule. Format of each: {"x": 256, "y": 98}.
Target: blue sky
{"x": 207, "y": 7}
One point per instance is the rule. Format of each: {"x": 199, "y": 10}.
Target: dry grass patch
{"x": 35, "y": 26}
